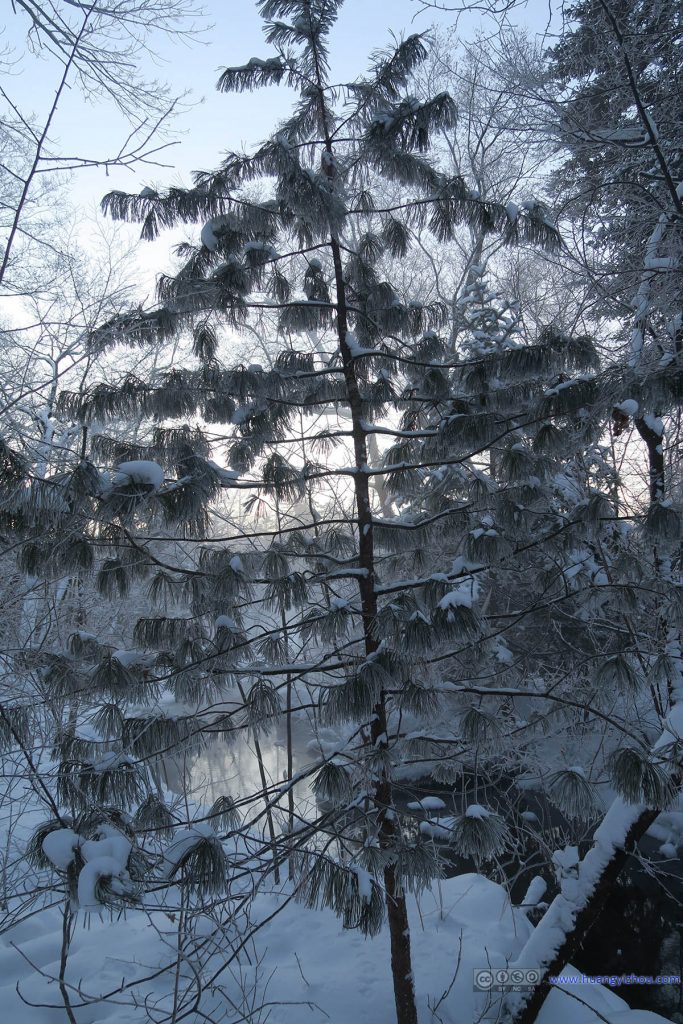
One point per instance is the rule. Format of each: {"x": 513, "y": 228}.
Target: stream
{"x": 640, "y": 930}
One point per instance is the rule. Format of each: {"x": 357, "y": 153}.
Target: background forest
{"x": 340, "y": 517}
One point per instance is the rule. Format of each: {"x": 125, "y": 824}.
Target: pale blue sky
{"x": 214, "y": 122}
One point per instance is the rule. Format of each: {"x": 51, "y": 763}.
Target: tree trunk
{"x": 526, "y": 1011}
{"x": 266, "y": 798}
{"x": 397, "y": 912}
{"x": 401, "y": 967}
{"x": 655, "y": 458}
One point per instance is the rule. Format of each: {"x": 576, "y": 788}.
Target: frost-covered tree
{"x": 322, "y": 161}
{"x": 617, "y": 75}
{"x": 97, "y": 48}
{"x": 439, "y": 626}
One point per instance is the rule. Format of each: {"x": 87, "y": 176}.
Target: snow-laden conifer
{"x": 399, "y": 525}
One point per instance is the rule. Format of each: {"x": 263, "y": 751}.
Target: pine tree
{"x": 323, "y": 162}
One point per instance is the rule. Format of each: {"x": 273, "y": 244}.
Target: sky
{"x": 211, "y": 123}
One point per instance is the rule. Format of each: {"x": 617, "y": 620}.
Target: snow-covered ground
{"x": 303, "y": 966}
